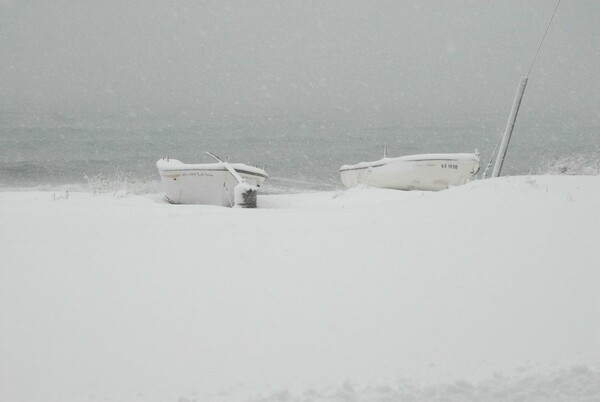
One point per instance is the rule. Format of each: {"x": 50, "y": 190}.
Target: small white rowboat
{"x": 430, "y": 172}
{"x": 206, "y": 183}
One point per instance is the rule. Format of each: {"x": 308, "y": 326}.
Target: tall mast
{"x": 509, "y": 127}
{"x": 510, "y": 124}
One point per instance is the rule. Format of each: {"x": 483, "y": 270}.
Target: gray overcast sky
{"x": 442, "y": 61}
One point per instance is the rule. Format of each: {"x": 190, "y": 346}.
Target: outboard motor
{"x": 244, "y": 195}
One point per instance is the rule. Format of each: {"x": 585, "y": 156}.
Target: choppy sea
{"x": 299, "y": 156}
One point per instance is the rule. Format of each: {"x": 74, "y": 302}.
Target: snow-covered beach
{"x": 487, "y": 291}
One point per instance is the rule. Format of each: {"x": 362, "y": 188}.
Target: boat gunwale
{"x": 174, "y": 165}
{"x": 174, "y": 170}
{"x": 347, "y": 168}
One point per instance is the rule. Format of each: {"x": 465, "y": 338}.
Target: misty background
{"x": 302, "y": 78}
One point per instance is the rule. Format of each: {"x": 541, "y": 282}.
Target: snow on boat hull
{"x": 208, "y": 183}
{"x": 431, "y": 172}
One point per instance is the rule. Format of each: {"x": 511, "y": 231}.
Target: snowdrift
{"x": 487, "y": 291}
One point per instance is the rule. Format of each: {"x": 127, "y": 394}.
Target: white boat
{"x": 437, "y": 171}
{"x": 206, "y": 183}
{"x": 429, "y": 172}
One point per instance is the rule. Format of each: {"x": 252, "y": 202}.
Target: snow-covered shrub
{"x": 570, "y": 165}
{"x": 119, "y": 185}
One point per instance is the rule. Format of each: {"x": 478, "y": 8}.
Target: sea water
{"x": 298, "y": 155}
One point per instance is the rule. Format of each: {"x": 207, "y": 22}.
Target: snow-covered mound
{"x": 487, "y": 291}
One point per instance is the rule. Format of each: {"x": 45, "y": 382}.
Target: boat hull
{"x": 432, "y": 172}
{"x": 208, "y": 184}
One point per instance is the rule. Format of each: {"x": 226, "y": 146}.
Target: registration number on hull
{"x": 449, "y": 166}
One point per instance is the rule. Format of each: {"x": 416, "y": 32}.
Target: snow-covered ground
{"x": 488, "y": 291}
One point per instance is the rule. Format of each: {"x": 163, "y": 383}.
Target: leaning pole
{"x": 516, "y": 104}
{"x": 509, "y": 128}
